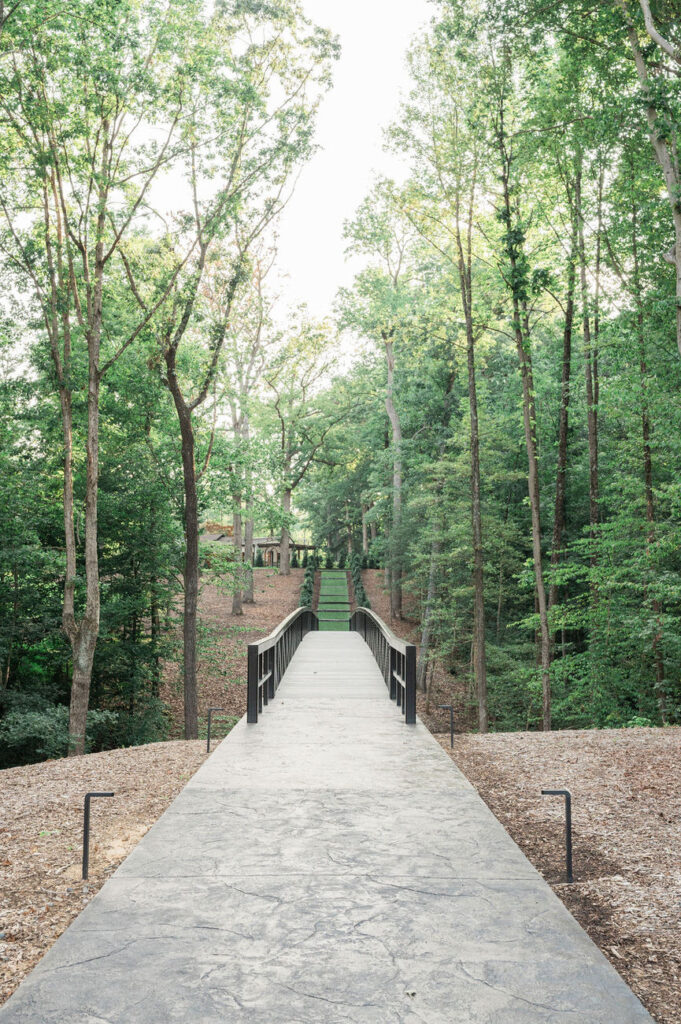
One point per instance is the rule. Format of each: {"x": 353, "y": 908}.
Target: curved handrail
{"x": 395, "y": 657}
{"x": 394, "y": 639}
{"x": 276, "y": 633}
{"x": 269, "y": 658}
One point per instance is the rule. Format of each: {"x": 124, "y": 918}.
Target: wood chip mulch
{"x": 626, "y": 806}
{"x": 41, "y": 834}
{"x": 624, "y": 783}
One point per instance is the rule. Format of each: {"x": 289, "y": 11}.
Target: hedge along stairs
{"x": 333, "y": 607}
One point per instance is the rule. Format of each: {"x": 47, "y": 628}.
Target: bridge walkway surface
{"x": 327, "y": 864}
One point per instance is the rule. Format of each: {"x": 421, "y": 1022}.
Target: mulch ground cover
{"x": 626, "y": 821}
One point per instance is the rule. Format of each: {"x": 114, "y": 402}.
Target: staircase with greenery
{"x": 333, "y": 607}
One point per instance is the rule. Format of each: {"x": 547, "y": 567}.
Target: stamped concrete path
{"x": 328, "y": 864}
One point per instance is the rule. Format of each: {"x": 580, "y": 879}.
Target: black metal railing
{"x": 395, "y": 658}
{"x": 268, "y": 659}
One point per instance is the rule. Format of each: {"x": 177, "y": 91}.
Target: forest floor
{"x": 223, "y": 641}
{"x": 626, "y": 822}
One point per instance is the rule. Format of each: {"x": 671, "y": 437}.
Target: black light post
{"x": 449, "y": 707}
{"x": 86, "y": 831}
{"x": 568, "y": 826}
{"x": 210, "y": 712}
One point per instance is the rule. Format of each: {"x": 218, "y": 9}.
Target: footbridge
{"x": 327, "y": 864}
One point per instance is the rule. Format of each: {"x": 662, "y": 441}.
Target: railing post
{"x": 410, "y": 685}
{"x": 252, "y": 696}
{"x": 393, "y": 681}
{"x": 273, "y": 682}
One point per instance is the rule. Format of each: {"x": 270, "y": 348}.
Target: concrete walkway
{"x": 328, "y": 864}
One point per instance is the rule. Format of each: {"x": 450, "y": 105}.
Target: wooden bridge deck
{"x": 326, "y": 865}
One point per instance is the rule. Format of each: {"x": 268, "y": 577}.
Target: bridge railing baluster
{"x": 395, "y": 658}
{"x": 268, "y": 659}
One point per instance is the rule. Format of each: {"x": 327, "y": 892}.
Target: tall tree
{"x": 74, "y": 186}
{"x": 444, "y": 193}
{"x": 380, "y": 307}
{"x": 301, "y": 418}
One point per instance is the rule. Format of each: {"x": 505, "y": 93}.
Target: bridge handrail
{"x": 395, "y": 657}
{"x": 269, "y": 658}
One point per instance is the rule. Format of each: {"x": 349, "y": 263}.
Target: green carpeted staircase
{"x": 333, "y": 608}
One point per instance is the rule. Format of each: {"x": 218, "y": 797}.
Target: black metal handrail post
{"x": 395, "y": 658}
{"x": 269, "y": 658}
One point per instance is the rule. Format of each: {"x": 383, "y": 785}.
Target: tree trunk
{"x": 285, "y": 557}
{"x": 589, "y": 371}
{"x": 237, "y": 607}
{"x": 348, "y": 528}
{"x": 422, "y": 667}
{"x": 365, "y": 536}
{"x": 646, "y": 430}
{"x": 191, "y": 558}
{"x": 155, "y": 615}
{"x": 666, "y": 151}
{"x": 479, "y": 659}
{"x": 650, "y": 517}
{"x": 395, "y": 533}
{"x": 533, "y": 489}
{"x": 248, "y": 595}
{"x": 561, "y": 467}
{"x": 84, "y": 637}
{"x": 521, "y": 329}
{"x": 465, "y": 271}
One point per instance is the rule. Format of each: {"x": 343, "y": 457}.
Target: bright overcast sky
{"x": 368, "y": 81}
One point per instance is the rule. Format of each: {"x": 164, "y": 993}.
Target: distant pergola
{"x": 269, "y": 546}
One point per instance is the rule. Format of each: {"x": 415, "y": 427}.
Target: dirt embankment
{"x": 223, "y": 641}
{"x": 443, "y": 688}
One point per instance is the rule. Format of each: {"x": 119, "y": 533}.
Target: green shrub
{"x": 295, "y": 564}
{"x": 361, "y": 599}
{"x": 329, "y": 561}
{"x": 305, "y": 559}
{"x": 29, "y": 735}
{"x": 258, "y": 563}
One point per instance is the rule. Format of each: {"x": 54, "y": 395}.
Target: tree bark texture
{"x": 561, "y": 465}
{"x": 191, "y": 558}
{"x": 522, "y": 332}
{"x": 237, "y": 606}
{"x": 395, "y": 533}
{"x": 285, "y": 556}
{"x": 590, "y": 369}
